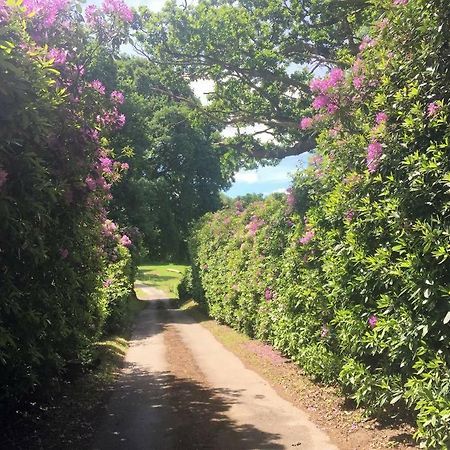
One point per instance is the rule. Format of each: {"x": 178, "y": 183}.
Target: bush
{"x": 350, "y": 276}
{"x": 55, "y": 174}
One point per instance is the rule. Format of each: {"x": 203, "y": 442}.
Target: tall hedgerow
{"x": 61, "y": 261}
{"x": 359, "y": 292}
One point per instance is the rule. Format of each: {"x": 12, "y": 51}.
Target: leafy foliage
{"x": 349, "y": 276}
{"x": 176, "y": 172}
{"x": 57, "y": 248}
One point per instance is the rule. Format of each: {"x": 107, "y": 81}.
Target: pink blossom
{"x": 3, "y": 177}
{"x": 366, "y": 42}
{"x": 332, "y": 108}
{"x": 105, "y": 164}
{"x": 325, "y": 331}
{"x": 373, "y": 320}
{"x": 108, "y": 228}
{"x": 102, "y": 184}
{"x": 239, "y": 207}
{"x": 382, "y": 24}
{"x": 254, "y": 225}
{"x": 98, "y": 86}
{"x": 58, "y": 55}
{"x": 306, "y": 123}
{"x": 323, "y": 86}
{"x": 307, "y": 237}
{"x": 320, "y": 101}
{"x": 381, "y": 117}
{"x": 290, "y": 197}
{"x": 374, "y": 153}
{"x": 433, "y": 109}
{"x": 117, "y": 97}
{"x": 316, "y": 160}
{"x": 349, "y": 215}
{"x": 120, "y": 120}
{"x": 91, "y": 14}
{"x": 107, "y": 283}
{"x": 64, "y": 253}
{"x": 125, "y": 241}
{"x": 112, "y": 118}
{"x": 125, "y": 166}
{"x": 268, "y": 294}
{"x": 90, "y": 183}
{"x": 358, "y": 82}
{"x": 400, "y": 2}
{"x": 92, "y": 134}
{"x": 47, "y": 9}
{"x": 118, "y": 7}
{"x": 336, "y": 76}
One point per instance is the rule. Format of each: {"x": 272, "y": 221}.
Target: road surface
{"x": 181, "y": 389}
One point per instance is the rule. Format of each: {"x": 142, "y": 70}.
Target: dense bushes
{"x": 64, "y": 268}
{"x": 350, "y": 276}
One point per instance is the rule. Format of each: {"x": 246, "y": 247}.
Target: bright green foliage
{"x": 259, "y": 53}
{"x": 175, "y": 175}
{"x": 54, "y": 259}
{"x": 357, "y": 289}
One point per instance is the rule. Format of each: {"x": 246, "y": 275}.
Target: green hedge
{"x": 350, "y": 276}
{"x": 55, "y": 256}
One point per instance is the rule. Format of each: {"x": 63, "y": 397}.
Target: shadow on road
{"x": 161, "y": 411}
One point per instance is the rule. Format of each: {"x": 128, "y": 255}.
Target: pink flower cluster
{"x": 367, "y": 42}
{"x": 400, "y": 2}
{"x": 326, "y": 96}
{"x": 268, "y": 294}
{"x": 117, "y": 97}
{"x": 432, "y": 109}
{"x": 108, "y": 228}
{"x": 239, "y": 207}
{"x": 105, "y": 164}
{"x": 306, "y": 123}
{"x": 119, "y": 8}
{"x": 254, "y": 225}
{"x": 112, "y": 118}
{"x": 381, "y": 117}
{"x": 372, "y": 321}
{"x": 58, "y": 55}
{"x": 349, "y": 215}
{"x": 47, "y": 9}
{"x": 98, "y": 86}
{"x": 307, "y": 237}
{"x": 290, "y": 198}
{"x": 374, "y": 153}
{"x": 125, "y": 241}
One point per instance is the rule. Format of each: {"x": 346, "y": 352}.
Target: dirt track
{"x": 181, "y": 389}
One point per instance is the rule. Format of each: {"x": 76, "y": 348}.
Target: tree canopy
{"x": 261, "y": 56}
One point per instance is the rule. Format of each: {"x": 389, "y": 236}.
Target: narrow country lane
{"x": 181, "y": 389}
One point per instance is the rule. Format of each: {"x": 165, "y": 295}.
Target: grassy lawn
{"x": 162, "y": 276}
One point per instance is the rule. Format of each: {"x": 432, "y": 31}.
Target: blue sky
{"x": 269, "y": 179}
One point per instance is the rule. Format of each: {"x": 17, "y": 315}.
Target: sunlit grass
{"x": 162, "y": 276}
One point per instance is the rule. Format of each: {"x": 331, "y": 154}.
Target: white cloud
{"x": 267, "y": 174}
{"x": 231, "y": 131}
{"x": 247, "y": 176}
{"x": 201, "y": 88}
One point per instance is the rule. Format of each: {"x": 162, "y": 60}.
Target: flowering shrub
{"x": 58, "y": 263}
{"x": 361, "y": 279}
